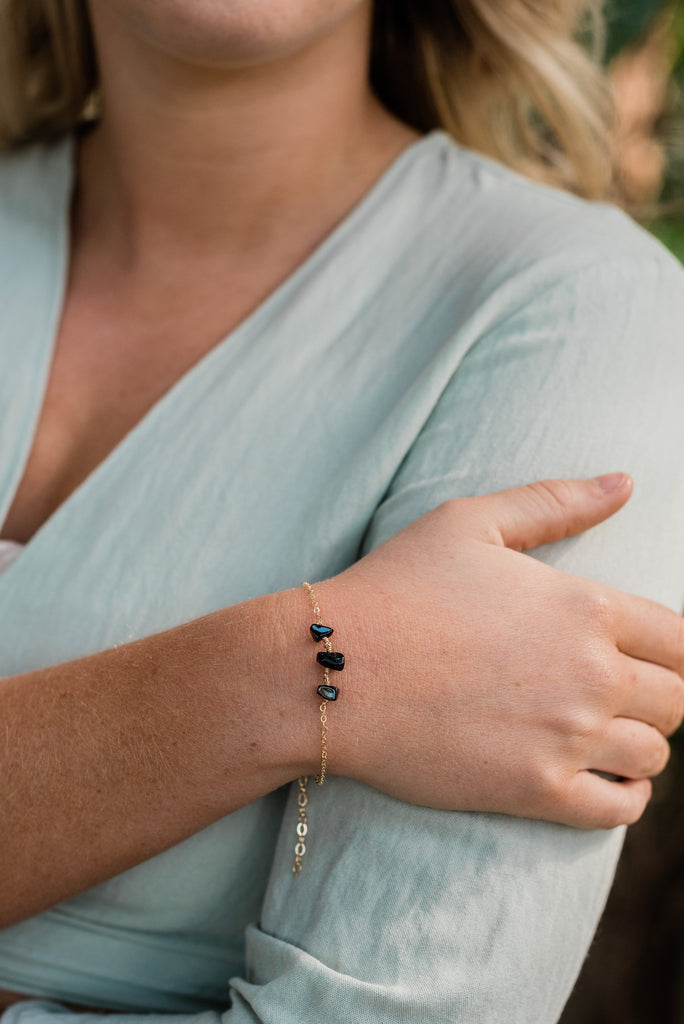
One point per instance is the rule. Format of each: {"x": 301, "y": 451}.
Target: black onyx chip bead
{"x": 327, "y": 692}
{"x": 331, "y": 659}
{"x": 320, "y": 632}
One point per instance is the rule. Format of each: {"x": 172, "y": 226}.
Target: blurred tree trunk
{"x": 634, "y": 973}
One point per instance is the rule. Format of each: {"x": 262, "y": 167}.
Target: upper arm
{"x": 585, "y": 378}
{"x": 403, "y": 913}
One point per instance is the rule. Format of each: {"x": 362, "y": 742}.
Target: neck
{"x": 200, "y": 159}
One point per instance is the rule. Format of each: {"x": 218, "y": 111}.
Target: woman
{"x": 403, "y": 321}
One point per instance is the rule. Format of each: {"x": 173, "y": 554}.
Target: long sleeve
{"x": 408, "y": 914}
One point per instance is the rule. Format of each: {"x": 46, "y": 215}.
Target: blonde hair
{"x": 517, "y": 80}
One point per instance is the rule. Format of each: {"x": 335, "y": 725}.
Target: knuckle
{"x": 448, "y": 508}
{"x": 578, "y": 728}
{"x": 600, "y": 674}
{"x": 474, "y": 516}
{"x": 598, "y": 610}
{"x": 556, "y": 496}
{"x": 445, "y": 512}
{"x": 446, "y": 517}
{"x": 453, "y": 514}
{"x": 651, "y": 760}
{"x": 553, "y": 783}
{"x": 550, "y": 791}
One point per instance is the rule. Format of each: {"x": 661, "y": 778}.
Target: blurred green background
{"x": 634, "y": 973}
{"x": 645, "y": 55}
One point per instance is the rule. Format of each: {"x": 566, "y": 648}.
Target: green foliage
{"x": 627, "y": 21}
{"x": 678, "y": 32}
{"x": 671, "y": 234}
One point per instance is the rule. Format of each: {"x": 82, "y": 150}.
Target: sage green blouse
{"x": 463, "y": 330}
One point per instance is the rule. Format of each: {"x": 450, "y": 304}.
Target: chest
{"x": 112, "y": 363}
{"x": 271, "y": 441}
{"x": 90, "y": 403}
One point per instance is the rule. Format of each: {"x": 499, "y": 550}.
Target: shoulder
{"x": 34, "y": 187}
{"x": 504, "y": 239}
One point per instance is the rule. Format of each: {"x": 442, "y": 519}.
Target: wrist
{"x": 291, "y": 675}
{"x": 297, "y": 700}
{"x": 345, "y": 602}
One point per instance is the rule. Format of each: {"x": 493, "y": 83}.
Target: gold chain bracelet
{"x": 329, "y": 659}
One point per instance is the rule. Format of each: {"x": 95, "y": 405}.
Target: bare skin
{"x": 214, "y": 173}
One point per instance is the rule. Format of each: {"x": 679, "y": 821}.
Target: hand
{"x": 479, "y": 678}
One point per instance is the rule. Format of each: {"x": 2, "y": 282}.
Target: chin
{"x": 229, "y": 33}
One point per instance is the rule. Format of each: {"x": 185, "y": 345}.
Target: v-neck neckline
{"x": 59, "y": 242}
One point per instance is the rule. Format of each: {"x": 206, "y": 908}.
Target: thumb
{"x": 549, "y": 510}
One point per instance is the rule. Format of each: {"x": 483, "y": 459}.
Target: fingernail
{"x": 611, "y": 481}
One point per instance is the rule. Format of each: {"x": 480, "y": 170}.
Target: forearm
{"x": 113, "y": 758}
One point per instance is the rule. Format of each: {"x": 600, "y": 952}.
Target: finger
{"x": 651, "y": 694}
{"x": 549, "y": 510}
{"x": 597, "y": 803}
{"x": 631, "y": 749}
{"x": 648, "y": 631}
